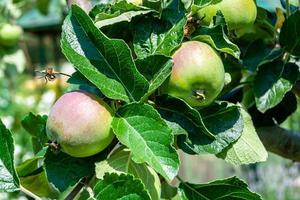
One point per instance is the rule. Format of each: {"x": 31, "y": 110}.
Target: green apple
{"x": 80, "y": 123}
{"x": 238, "y": 13}
{"x": 10, "y": 35}
{"x": 197, "y": 75}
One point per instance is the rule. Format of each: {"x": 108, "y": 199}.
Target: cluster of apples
{"x": 81, "y": 122}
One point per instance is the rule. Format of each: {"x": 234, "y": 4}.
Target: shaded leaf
{"x": 272, "y": 82}
{"x": 173, "y": 11}
{"x": 216, "y": 37}
{"x": 64, "y": 171}
{"x": 168, "y": 191}
{"x": 175, "y": 110}
{"x": 223, "y": 120}
{"x": 78, "y": 82}
{"x": 275, "y": 115}
{"x": 290, "y": 34}
{"x": 156, "y": 69}
{"x": 258, "y": 53}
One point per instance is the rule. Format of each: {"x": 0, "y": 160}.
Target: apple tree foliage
{"x": 124, "y": 52}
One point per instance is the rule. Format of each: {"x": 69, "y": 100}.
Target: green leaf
{"x": 108, "y": 14}
{"x": 272, "y": 82}
{"x": 124, "y": 17}
{"x": 177, "y": 111}
{"x": 39, "y": 185}
{"x": 259, "y": 53}
{"x": 120, "y": 162}
{"x": 141, "y": 129}
{"x": 29, "y": 166}
{"x": 35, "y": 125}
{"x": 276, "y": 115}
{"x": 78, "y": 82}
{"x": 223, "y": 120}
{"x": 120, "y": 187}
{"x": 217, "y": 38}
{"x": 9, "y": 181}
{"x": 173, "y": 11}
{"x": 153, "y": 36}
{"x": 231, "y": 188}
{"x": 290, "y": 34}
{"x": 248, "y": 148}
{"x": 168, "y": 191}
{"x": 187, "y": 4}
{"x": 107, "y": 63}
{"x": 156, "y": 69}
{"x": 176, "y": 128}
{"x": 63, "y": 170}
{"x": 110, "y": 9}
{"x": 33, "y": 177}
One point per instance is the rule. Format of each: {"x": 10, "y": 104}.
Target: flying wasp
{"x": 49, "y": 74}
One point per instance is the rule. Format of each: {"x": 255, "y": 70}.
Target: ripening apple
{"x": 197, "y": 75}
{"x": 238, "y": 13}
{"x": 10, "y": 35}
{"x": 80, "y": 123}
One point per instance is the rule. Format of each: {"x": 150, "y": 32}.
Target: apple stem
{"x": 54, "y": 146}
{"x": 199, "y": 94}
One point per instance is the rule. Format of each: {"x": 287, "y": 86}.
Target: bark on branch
{"x": 281, "y": 142}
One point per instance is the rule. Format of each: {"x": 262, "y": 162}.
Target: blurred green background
{"x": 22, "y": 92}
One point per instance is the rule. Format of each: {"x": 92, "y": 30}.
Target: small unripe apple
{"x": 80, "y": 123}
{"x": 238, "y": 13}
{"x": 10, "y": 35}
{"x": 135, "y": 2}
{"x": 197, "y": 75}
